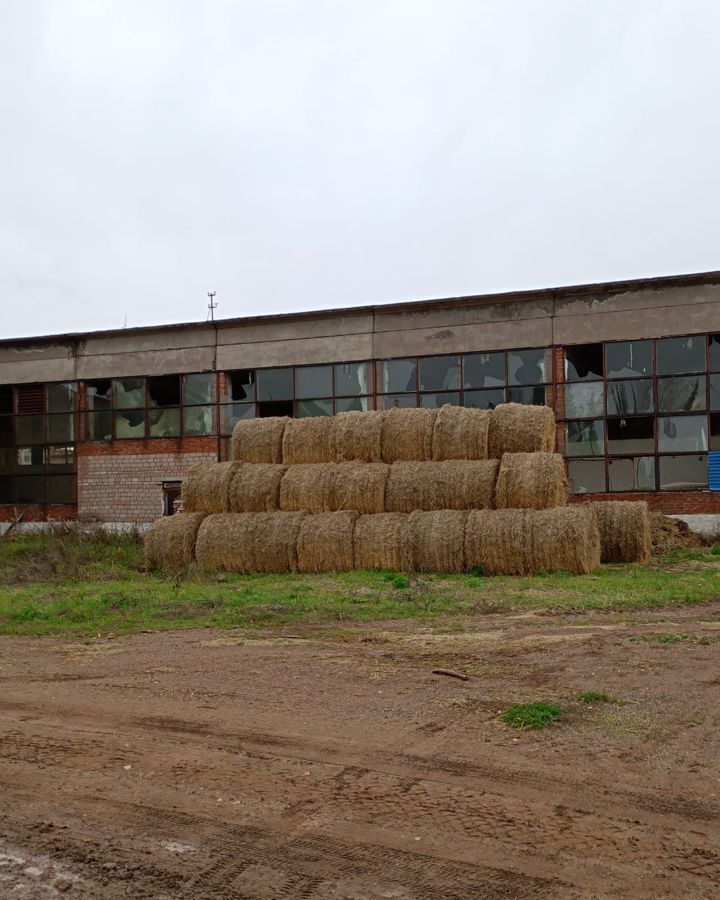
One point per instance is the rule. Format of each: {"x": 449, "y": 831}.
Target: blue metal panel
{"x": 714, "y": 470}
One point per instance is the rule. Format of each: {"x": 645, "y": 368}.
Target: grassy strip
{"x": 85, "y": 585}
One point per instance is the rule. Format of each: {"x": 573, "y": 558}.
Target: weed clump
{"x": 531, "y": 715}
{"x": 595, "y": 697}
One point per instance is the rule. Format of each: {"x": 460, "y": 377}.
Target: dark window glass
{"x": 61, "y": 428}
{"x": 679, "y": 355}
{"x": 198, "y": 420}
{"x": 585, "y": 438}
{"x": 270, "y": 408}
{"x": 129, "y": 393}
{"x": 682, "y": 394}
{"x": 7, "y": 494}
{"x": 627, "y": 358}
{"x": 530, "y": 396}
{"x": 631, "y": 435}
{"x": 313, "y": 381}
{"x": 6, "y": 429}
{"x": 434, "y": 401}
{"x": 484, "y": 399}
{"x": 241, "y": 385}
{"x": 714, "y": 391}
{"x": 231, "y": 414}
{"x": 30, "y": 489}
{"x": 586, "y": 476}
{"x": 439, "y": 373}
{"x": 714, "y": 352}
{"x": 130, "y": 423}
{"x": 6, "y": 399}
{"x": 307, "y": 408}
{"x": 584, "y": 401}
{"x": 274, "y": 384}
{"x": 61, "y": 459}
{"x": 353, "y": 379}
{"x": 527, "y": 366}
{"x": 483, "y": 370}
{"x": 61, "y": 397}
{"x": 99, "y": 425}
{"x": 682, "y": 433}
{"x": 682, "y": 473}
{"x": 30, "y": 460}
{"x": 99, "y": 395}
{"x": 7, "y": 460}
{"x": 30, "y": 429}
{"x": 635, "y": 474}
{"x": 584, "y": 362}
{"x": 164, "y": 422}
{"x": 61, "y": 489}
{"x": 163, "y": 391}
{"x": 626, "y": 398}
{"x": 397, "y": 401}
{"x": 395, "y": 375}
{"x": 353, "y": 404}
{"x": 715, "y": 431}
{"x": 198, "y": 389}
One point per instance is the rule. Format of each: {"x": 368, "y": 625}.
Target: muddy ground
{"x": 201, "y": 764}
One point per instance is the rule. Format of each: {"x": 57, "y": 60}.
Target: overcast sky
{"x": 300, "y": 154}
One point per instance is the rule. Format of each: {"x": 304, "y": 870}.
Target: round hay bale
{"x": 325, "y": 542}
{"x": 516, "y": 428}
{"x": 308, "y": 440}
{"x": 496, "y": 541}
{"x": 357, "y": 436}
{"x": 255, "y": 487}
{"x": 565, "y": 539}
{"x": 438, "y": 540}
{"x": 205, "y": 487}
{"x": 460, "y": 433}
{"x": 669, "y": 534}
{"x": 624, "y": 528}
{"x": 407, "y": 434}
{"x": 450, "y": 484}
{"x": 360, "y": 486}
{"x": 249, "y": 543}
{"x": 258, "y": 440}
{"x": 309, "y": 487}
{"x": 383, "y": 541}
{"x": 170, "y": 542}
{"x": 531, "y": 481}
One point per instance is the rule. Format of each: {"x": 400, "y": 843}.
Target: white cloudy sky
{"x": 298, "y": 154}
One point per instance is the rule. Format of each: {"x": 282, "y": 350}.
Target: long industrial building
{"x": 102, "y": 426}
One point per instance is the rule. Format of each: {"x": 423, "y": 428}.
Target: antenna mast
{"x": 212, "y": 306}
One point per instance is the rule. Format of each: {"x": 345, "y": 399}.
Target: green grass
{"x": 595, "y": 697}
{"x": 531, "y": 715}
{"x": 86, "y": 584}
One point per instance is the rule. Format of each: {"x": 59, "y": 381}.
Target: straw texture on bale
{"x": 527, "y": 542}
{"x": 624, "y": 528}
{"x": 516, "y": 428}
{"x": 670, "y": 534}
{"x": 360, "y": 486}
{"x": 460, "y": 433}
{"x": 205, "y": 487}
{"x": 255, "y": 487}
{"x": 383, "y": 541}
{"x": 531, "y": 481}
{"x": 249, "y": 542}
{"x": 325, "y": 542}
{"x": 308, "y": 440}
{"x": 438, "y": 540}
{"x": 309, "y": 487}
{"x": 170, "y": 542}
{"x": 407, "y": 434}
{"x": 451, "y": 484}
{"x": 258, "y": 440}
{"x": 357, "y": 436}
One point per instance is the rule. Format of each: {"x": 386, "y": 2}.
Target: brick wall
{"x": 121, "y": 486}
{"x": 37, "y": 512}
{"x": 669, "y": 502}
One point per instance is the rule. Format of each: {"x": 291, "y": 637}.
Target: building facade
{"x": 103, "y": 426}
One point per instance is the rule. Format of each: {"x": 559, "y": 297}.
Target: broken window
{"x": 198, "y": 413}
{"x": 313, "y": 381}
{"x": 269, "y": 408}
{"x": 129, "y": 393}
{"x": 274, "y": 384}
{"x": 538, "y": 395}
{"x": 626, "y": 398}
{"x": 683, "y": 473}
{"x": 584, "y": 362}
{"x": 232, "y": 413}
{"x": 198, "y": 389}
{"x": 163, "y": 393}
{"x": 488, "y": 399}
{"x": 527, "y": 367}
{"x": 305, "y": 408}
{"x": 353, "y": 404}
{"x": 483, "y": 370}
{"x": 586, "y": 476}
{"x": 634, "y": 474}
{"x": 682, "y": 394}
{"x": 61, "y": 397}
{"x": 625, "y": 359}
{"x": 6, "y": 400}
{"x": 439, "y": 373}
{"x": 435, "y": 401}
{"x": 634, "y": 435}
{"x": 353, "y": 379}
{"x": 714, "y": 352}
{"x": 396, "y": 375}
{"x": 241, "y": 385}
{"x": 683, "y": 354}
{"x": 585, "y": 438}
{"x": 715, "y": 431}
{"x": 682, "y": 433}
{"x": 584, "y": 401}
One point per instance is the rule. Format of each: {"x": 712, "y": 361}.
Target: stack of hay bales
{"x": 408, "y": 490}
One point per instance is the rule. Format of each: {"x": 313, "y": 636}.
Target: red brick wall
{"x": 670, "y": 502}
{"x": 38, "y": 512}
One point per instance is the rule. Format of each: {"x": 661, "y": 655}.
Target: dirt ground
{"x": 203, "y": 764}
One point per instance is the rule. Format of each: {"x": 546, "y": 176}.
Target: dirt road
{"x": 201, "y": 764}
